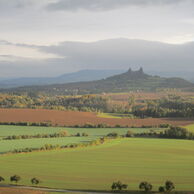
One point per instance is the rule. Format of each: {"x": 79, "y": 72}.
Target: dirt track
{"x": 16, "y": 190}
{"x": 19, "y": 189}
{"x": 71, "y": 118}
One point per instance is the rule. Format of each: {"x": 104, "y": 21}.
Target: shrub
{"x": 113, "y": 134}
{"x": 169, "y": 185}
{"x": 118, "y": 185}
{"x": 161, "y": 189}
{"x": 84, "y": 134}
{"x": 35, "y": 181}
{"x": 1, "y": 179}
{"x": 64, "y": 133}
{"x": 15, "y": 178}
{"x": 129, "y": 134}
{"x": 164, "y": 125}
{"x": 145, "y": 186}
{"x": 177, "y": 133}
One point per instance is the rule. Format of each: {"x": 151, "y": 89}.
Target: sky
{"x": 52, "y": 37}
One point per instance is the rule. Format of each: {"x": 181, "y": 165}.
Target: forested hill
{"x": 128, "y": 81}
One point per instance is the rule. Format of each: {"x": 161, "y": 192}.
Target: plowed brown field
{"x": 71, "y": 118}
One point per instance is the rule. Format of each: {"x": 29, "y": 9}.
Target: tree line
{"x": 119, "y": 186}
{"x": 48, "y": 147}
{"x": 174, "y": 132}
{"x": 146, "y": 186}
{"x": 88, "y": 103}
{"x": 86, "y": 125}
{"x": 53, "y": 135}
{"x": 16, "y": 178}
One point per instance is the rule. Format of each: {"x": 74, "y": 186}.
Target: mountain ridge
{"x": 124, "y": 82}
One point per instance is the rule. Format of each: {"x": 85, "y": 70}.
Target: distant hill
{"x": 80, "y": 76}
{"x": 128, "y": 81}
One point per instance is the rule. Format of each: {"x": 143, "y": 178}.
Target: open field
{"x": 93, "y": 133}
{"x": 130, "y": 160}
{"x": 72, "y": 118}
{"x": 6, "y": 130}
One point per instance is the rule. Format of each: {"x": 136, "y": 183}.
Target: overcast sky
{"x": 30, "y": 28}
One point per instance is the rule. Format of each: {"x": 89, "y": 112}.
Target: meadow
{"x": 93, "y": 133}
{"x": 130, "y": 160}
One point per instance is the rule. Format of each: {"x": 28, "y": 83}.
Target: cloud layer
{"x": 25, "y": 24}
{"x": 123, "y": 53}
{"x": 98, "y": 5}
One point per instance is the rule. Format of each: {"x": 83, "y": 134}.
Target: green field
{"x": 6, "y": 130}
{"x": 130, "y": 160}
{"x": 190, "y": 128}
{"x": 114, "y": 115}
{"x": 94, "y": 133}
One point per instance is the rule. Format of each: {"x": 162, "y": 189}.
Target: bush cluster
{"x": 177, "y": 133}
{"x": 174, "y": 132}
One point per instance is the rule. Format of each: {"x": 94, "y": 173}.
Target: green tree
{"x": 35, "y": 181}
{"x": 118, "y": 186}
{"x": 1, "y": 179}
{"x": 169, "y": 185}
{"x": 15, "y": 178}
{"x": 145, "y": 186}
{"x": 114, "y": 186}
{"x": 161, "y": 189}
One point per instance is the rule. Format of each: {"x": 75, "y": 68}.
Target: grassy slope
{"x": 130, "y": 160}
{"x": 8, "y": 145}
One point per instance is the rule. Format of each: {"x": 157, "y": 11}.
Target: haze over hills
{"x": 124, "y": 82}
{"x": 80, "y": 76}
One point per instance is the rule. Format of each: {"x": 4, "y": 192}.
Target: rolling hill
{"x": 128, "y": 81}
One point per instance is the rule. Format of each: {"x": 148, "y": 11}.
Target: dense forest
{"x": 90, "y": 103}
{"x": 171, "y": 106}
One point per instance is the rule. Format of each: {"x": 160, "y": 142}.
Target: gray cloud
{"x": 105, "y": 54}
{"x": 98, "y": 5}
{"x": 15, "y": 4}
{"x": 122, "y": 53}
